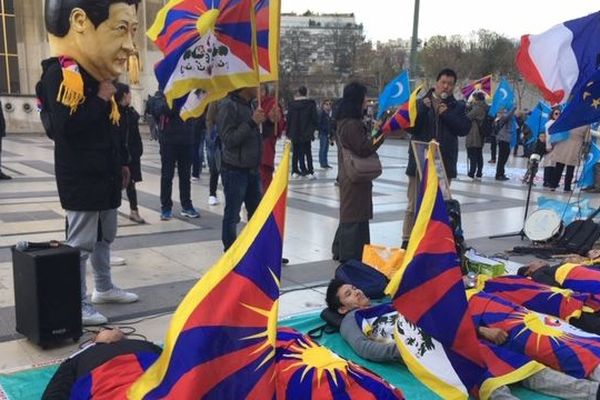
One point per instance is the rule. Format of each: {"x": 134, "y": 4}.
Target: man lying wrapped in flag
{"x": 369, "y": 330}
{"x": 580, "y": 277}
{"x": 579, "y": 309}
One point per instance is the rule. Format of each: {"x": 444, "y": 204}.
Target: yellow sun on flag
{"x": 321, "y": 359}
{"x": 270, "y": 334}
{"x": 542, "y": 327}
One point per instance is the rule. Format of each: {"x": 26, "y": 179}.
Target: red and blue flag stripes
{"x": 267, "y": 38}
{"x": 307, "y": 370}
{"x": 578, "y": 278}
{"x": 543, "y": 338}
{"x": 561, "y": 303}
{"x": 221, "y": 340}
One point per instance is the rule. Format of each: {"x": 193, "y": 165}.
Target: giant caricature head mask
{"x": 97, "y": 34}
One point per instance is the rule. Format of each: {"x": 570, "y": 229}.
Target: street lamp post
{"x": 414, "y": 42}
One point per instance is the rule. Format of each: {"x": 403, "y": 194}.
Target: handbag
{"x": 361, "y": 169}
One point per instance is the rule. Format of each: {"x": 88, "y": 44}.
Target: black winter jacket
{"x": 445, "y": 128}
{"x": 302, "y": 120}
{"x": 240, "y": 137}
{"x": 88, "y": 149}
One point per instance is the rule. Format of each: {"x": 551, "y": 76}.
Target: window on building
{"x": 9, "y": 66}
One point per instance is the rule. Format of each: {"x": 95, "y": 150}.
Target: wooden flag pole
{"x": 277, "y": 55}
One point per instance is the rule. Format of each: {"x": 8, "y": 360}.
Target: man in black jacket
{"x": 90, "y": 157}
{"x": 237, "y": 126}
{"x": 302, "y": 121}
{"x": 3, "y": 176}
{"x": 442, "y": 118}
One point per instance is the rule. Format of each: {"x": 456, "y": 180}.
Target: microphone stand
{"x": 533, "y": 169}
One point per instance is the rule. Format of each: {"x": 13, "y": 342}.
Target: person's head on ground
{"x": 109, "y": 336}
{"x": 302, "y": 91}
{"x": 123, "y": 94}
{"x": 353, "y": 101}
{"x": 530, "y": 268}
{"x": 343, "y": 297}
{"x": 444, "y": 83}
{"x": 97, "y": 34}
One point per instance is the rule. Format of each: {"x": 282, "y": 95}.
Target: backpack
{"x": 487, "y": 126}
{"x": 364, "y": 277}
{"x": 157, "y": 106}
{"x": 40, "y": 93}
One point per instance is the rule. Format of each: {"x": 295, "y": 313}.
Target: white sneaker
{"x": 114, "y": 295}
{"x": 213, "y": 201}
{"x": 89, "y": 315}
{"x": 117, "y": 261}
{"x": 311, "y": 177}
{"x": 295, "y": 175}
{"x": 195, "y": 179}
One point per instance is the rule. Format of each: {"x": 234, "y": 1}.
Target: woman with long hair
{"x": 356, "y": 198}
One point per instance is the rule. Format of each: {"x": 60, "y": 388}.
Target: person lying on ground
{"x": 581, "y": 310}
{"x": 379, "y": 345}
{"x": 105, "y": 369}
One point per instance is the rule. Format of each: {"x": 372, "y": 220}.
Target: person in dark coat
{"x": 442, "y": 118}
{"x": 176, "y": 148}
{"x": 130, "y": 131}
{"x": 325, "y": 134}
{"x": 474, "y": 141}
{"x": 302, "y": 122}
{"x": 356, "y": 198}
{"x": 90, "y": 158}
{"x": 3, "y": 176}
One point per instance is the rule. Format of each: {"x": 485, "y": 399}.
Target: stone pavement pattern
{"x": 165, "y": 258}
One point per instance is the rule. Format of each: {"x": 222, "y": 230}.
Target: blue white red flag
{"x": 221, "y": 340}
{"x": 562, "y": 59}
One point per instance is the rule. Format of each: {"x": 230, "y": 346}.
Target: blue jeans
{"x": 323, "y": 149}
{"x": 241, "y": 185}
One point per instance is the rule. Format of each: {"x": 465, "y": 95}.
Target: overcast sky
{"x": 390, "y": 19}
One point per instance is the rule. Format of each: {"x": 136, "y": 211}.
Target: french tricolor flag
{"x": 561, "y": 59}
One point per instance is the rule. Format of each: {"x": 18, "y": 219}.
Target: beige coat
{"x": 568, "y": 151}
{"x": 476, "y": 115}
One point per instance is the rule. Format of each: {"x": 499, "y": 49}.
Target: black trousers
{"x": 475, "y": 155}
{"x": 296, "y": 156}
{"x": 132, "y": 196}
{"x": 558, "y": 170}
{"x": 588, "y": 322}
{"x": 548, "y": 176}
{"x": 493, "y": 147}
{"x": 503, "y": 154}
{"x": 306, "y": 159}
{"x": 171, "y": 155}
{"x": 349, "y": 240}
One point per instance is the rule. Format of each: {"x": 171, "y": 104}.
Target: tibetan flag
{"x": 307, "y": 370}
{"x": 207, "y": 45}
{"x": 583, "y": 108}
{"x": 405, "y": 116}
{"x": 483, "y": 84}
{"x": 562, "y": 303}
{"x": 587, "y": 173}
{"x": 504, "y": 97}
{"x": 112, "y": 379}
{"x": 396, "y": 92}
{"x": 578, "y": 278}
{"x": 561, "y": 60}
{"x": 544, "y": 338}
{"x": 267, "y": 38}
{"x": 221, "y": 340}
{"x": 428, "y": 289}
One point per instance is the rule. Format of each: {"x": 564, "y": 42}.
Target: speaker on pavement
{"x": 47, "y": 293}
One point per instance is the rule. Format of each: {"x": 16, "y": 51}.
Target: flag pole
{"x": 255, "y": 51}
{"x": 277, "y": 55}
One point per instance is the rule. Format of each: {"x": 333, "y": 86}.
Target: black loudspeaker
{"x": 47, "y": 294}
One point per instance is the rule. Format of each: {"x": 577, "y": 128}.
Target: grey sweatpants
{"x": 553, "y": 383}
{"x": 92, "y": 232}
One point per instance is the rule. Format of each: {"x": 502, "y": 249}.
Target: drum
{"x": 543, "y": 226}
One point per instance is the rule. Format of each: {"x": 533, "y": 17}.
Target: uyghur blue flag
{"x": 537, "y": 120}
{"x": 395, "y": 93}
{"x": 584, "y": 107}
{"x": 587, "y": 173}
{"x": 504, "y": 97}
